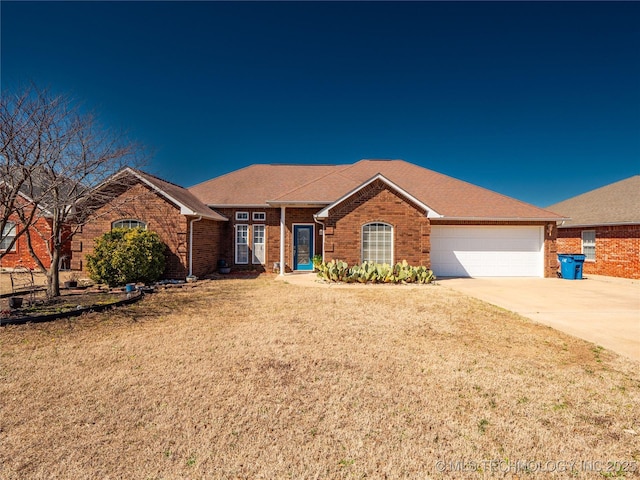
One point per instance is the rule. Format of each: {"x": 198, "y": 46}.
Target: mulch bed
{"x": 70, "y": 304}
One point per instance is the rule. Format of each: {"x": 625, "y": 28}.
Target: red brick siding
{"x": 377, "y": 203}
{"x": 550, "y": 243}
{"x": 140, "y": 203}
{"x": 272, "y": 234}
{"x": 206, "y": 246}
{"x": 40, "y": 237}
{"x": 617, "y": 249}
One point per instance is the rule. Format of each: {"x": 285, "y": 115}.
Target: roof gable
{"x": 616, "y": 203}
{"x": 181, "y": 197}
{"x": 324, "y": 213}
{"x": 30, "y": 201}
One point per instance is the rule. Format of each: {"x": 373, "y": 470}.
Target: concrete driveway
{"x": 602, "y": 310}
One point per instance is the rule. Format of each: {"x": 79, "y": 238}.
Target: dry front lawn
{"x": 260, "y": 379}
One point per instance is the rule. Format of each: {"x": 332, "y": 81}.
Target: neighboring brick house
{"x": 191, "y": 230}
{"x": 379, "y": 210}
{"x": 604, "y": 225}
{"x": 19, "y": 254}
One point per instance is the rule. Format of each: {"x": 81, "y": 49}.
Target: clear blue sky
{"x": 539, "y": 101}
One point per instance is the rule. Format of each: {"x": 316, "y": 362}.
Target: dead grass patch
{"x": 260, "y": 379}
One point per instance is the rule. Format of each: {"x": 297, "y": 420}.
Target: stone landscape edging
{"x": 71, "y": 313}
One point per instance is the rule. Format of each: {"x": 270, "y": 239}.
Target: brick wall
{"x": 206, "y": 246}
{"x": 617, "y": 249}
{"x": 377, "y": 203}
{"x": 20, "y": 255}
{"x": 140, "y": 203}
{"x": 272, "y": 234}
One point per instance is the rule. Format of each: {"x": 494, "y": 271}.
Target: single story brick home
{"x": 604, "y": 225}
{"x": 376, "y": 210}
{"x": 190, "y": 229}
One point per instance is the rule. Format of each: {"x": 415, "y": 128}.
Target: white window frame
{"x": 362, "y": 242}
{"x": 242, "y": 216}
{"x": 130, "y": 221}
{"x": 589, "y": 243}
{"x": 241, "y": 246}
{"x": 8, "y": 234}
{"x": 254, "y": 259}
{"x": 259, "y": 216}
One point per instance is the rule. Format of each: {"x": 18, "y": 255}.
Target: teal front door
{"x": 303, "y": 247}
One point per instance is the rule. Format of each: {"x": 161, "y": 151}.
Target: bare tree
{"x": 20, "y": 153}
{"x": 57, "y": 155}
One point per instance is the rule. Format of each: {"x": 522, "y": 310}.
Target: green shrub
{"x": 127, "y": 256}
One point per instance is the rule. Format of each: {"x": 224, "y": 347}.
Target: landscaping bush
{"x": 124, "y": 256}
{"x": 369, "y": 272}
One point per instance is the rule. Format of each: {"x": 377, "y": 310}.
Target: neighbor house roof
{"x": 324, "y": 184}
{"x": 613, "y": 204}
{"x": 181, "y": 197}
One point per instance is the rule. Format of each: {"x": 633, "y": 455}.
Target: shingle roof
{"x": 616, "y": 203}
{"x": 452, "y": 198}
{"x": 257, "y": 184}
{"x": 189, "y": 204}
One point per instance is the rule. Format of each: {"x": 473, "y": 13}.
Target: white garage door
{"x": 487, "y": 251}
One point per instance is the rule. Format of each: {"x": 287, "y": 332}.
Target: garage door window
{"x": 377, "y": 243}
{"x": 589, "y": 245}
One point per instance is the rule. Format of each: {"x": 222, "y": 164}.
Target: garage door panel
{"x": 486, "y": 251}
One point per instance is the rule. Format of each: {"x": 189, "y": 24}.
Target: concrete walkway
{"x": 602, "y": 310}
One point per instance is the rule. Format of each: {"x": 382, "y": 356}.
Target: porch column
{"x": 283, "y": 231}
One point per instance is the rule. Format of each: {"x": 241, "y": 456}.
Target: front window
{"x": 377, "y": 243}
{"x": 8, "y": 234}
{"x": 258, "y": 244}
{"x": 242, "y": 244}
{"x": 129, "y": 223}
{"x": 589, "y": 245}
{"x": 242, "y": 216}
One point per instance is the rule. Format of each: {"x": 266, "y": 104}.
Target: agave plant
{"x": 370, "y": 272}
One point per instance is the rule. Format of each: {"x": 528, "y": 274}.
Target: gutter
{"x": 277, "y": 203}
{"x": 500, "y": 219}
{"x": 191, "y": 244}
{"x": 595, "y": 225}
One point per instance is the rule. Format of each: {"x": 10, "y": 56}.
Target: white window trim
{"x": 582, "y": 244}
{"x": 392, "y": 240}
{"x": 243, "y": 214}
{"x": 14, "y": 228}
{"x": 235, "y": 244}
{"x": 259, "y": 216}
{"x": 144, "y": 224}
{"x": 264, "y": 237}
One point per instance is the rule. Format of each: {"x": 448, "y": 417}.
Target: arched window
{"x": 129, "y": 223}
{"x": 377, "y": 243}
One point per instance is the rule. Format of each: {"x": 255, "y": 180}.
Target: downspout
{"x": 282, "y": 238}
{"x": 194, "y": 220}
{"x": 323, "y": 228}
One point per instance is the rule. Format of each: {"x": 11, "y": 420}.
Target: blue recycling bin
{"x": 571, "y": 265}
{"x": 578, "y": 258}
